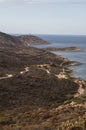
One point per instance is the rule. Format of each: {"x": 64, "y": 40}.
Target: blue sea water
{"x": 60, "y": 41}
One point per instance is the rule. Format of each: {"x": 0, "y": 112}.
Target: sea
{"x": 60, "y": 41}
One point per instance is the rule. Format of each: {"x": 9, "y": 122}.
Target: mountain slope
{"x": 8, "y": 40}
{"x": 36, "y": 89}
{"x": 30, "y": 39}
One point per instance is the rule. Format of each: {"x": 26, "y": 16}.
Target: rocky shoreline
{"x": 73, "y": 49}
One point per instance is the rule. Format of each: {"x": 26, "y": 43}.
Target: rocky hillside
{"x": 7, "y": 40}
{"x": 37, "y": 90}
{"x": 30, "y": 39}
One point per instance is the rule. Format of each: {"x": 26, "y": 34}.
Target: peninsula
{"x": 73, "y": 49}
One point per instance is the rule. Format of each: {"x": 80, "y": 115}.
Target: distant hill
{"x": 30, "y": 39}
{"x": 8, "y": 40}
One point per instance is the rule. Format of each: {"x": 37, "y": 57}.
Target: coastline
{"x": 38, "y": 90}
{"x": 68, "y": 49}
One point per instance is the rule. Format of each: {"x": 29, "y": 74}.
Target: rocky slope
{"x": 37, "y": 91}
{"x": 7, "y": 40}
{"x": 30, "y": 39}
{"x": 10, "y": 40}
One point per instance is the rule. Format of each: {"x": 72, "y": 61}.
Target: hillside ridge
{"x": 37, "y": 89}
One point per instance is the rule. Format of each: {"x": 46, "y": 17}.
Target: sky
{"x": 43, "y": 16}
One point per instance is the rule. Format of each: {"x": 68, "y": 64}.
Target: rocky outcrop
{"x": 74, "y": 49}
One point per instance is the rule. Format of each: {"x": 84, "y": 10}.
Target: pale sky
{"x": 43, "y": 16}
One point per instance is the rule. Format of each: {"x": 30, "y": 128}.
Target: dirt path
{"x": 26, "y": 69}
{"x": 7, "y": 76}
{"x": 81, "y": 89}
{"x": 62, "y": 75}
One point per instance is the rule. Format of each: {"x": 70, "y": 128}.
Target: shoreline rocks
{"x": 73, "y": 49}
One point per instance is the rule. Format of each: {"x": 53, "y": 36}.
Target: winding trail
{"x": 7, "y": 76}
{"x": 42, "y": 68}
{"x": 47, "y": 71}
{"x": 61, "y": 75}
{"x": 26, "y": 69}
